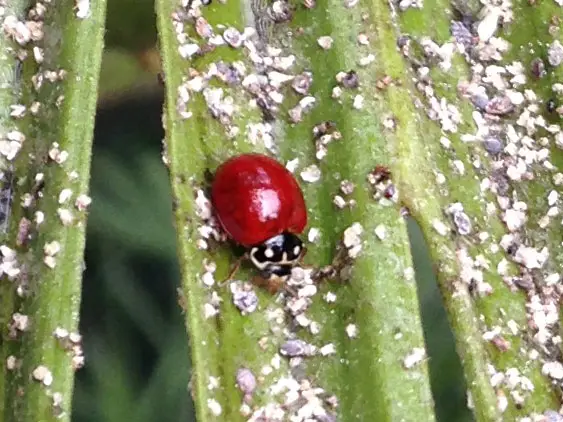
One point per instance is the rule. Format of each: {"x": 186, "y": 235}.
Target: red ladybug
{"x": 261, "y": 207}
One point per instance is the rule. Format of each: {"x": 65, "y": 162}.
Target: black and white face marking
{"x": 278, "y": 254}
{"x": 203, "y": 3}
{"x": 280, "y": 271}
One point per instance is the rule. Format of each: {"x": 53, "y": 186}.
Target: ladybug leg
{"x": 266, "y": 283}
{"x": 332, "y": 271}
{"x": 234, "y": 269}
{"x": 303, "y": 253}
{"x": 273, "y": 284}
{"x": 291, "y": 290}
{"x": 301, "y": 258}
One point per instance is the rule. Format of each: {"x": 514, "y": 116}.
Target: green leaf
{"x": 493, "y": 322}
{"x": 40, "y": 296}
{"x": 378, "y": 373}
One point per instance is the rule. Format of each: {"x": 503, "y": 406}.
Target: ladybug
{"x": 260, "y": 206}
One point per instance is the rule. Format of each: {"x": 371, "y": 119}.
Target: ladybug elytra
{"x": 260, "y": 206}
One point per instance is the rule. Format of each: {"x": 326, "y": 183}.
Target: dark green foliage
{"x": 134, "y": 335}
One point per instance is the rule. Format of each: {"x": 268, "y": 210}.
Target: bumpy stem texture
{"x": 237, "y": 81}
{"x": 50, "y": 60}
{"x": 447, "y": 112}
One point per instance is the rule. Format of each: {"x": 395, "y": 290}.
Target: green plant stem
{"x": 367, "y": 374}
{"x": 46, "y": 350}
{"x": 9, "y": 92}
{"x": 473, "y": 315}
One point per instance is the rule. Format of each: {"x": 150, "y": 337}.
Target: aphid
{"x": 538, "y": 68}
{"x": 280, "y": 11}
{"x": 462, "y": 33}
{"x": 389, "y": 191}
{"x": 499, "y": 106}
{"x": 324, "y": 128}
{"x": 268, "y": 111}
{"x": 260, "y": 206}
{"x": 18, "y": 75}
{"x": 349, "y": 79}
{"x": 24, "y": 229}
{"x": 551, "y": 105}
{"x": 380, "y": 174}
{"x": 6, "y": 194}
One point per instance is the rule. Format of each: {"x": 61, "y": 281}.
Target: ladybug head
{"x": 277, "y": 255}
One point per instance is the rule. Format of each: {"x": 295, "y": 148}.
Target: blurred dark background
{"x": 134, "y": 336}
